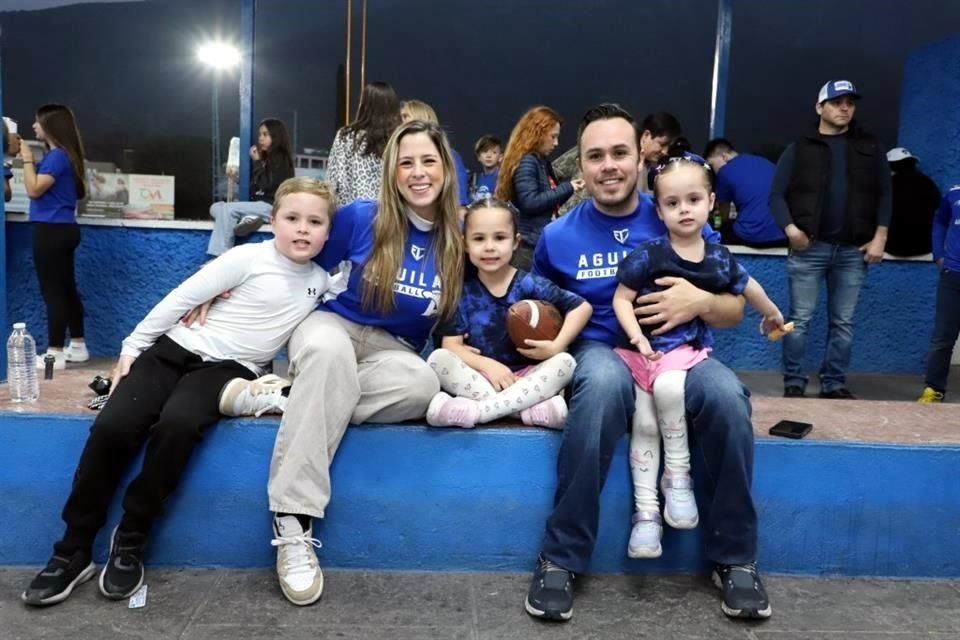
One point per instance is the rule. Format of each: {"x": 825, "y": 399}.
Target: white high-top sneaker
{"x": 297, "y": 568}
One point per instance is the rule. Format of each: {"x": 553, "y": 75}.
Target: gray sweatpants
{"x": 342, "y": 372}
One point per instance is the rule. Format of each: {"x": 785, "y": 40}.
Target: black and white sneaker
{"x": 743, "y": 592}
{"x": 59, "y": 578}
{"x": 123, "y": 573}
{"x": 551, "y": 592}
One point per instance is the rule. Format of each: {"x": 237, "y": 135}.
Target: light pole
{"x": 219, "y": 56}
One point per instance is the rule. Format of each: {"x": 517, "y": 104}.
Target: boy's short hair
{"x": 716, "y": 146}
{"x": 487, "y": 142}
{"x": 312, "y": 186}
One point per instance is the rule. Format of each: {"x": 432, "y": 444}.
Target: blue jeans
{"x": 843, "y": 269}
{"x": 946, "y": 327}
{"x": 227, "y": 215}
{"x": 601, "y": 410}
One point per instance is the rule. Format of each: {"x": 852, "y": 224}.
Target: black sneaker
{"x": 59, "y": 578}
{"x": 247, "y": 225}
{"x": 123, "y": 573}
{"x": 837, "y": 394}
{"x": 793, "y": 392}
{"x": 743, "y": 592}
{"x": 551, "y": 592}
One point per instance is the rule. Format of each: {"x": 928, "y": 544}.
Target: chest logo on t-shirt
{"x": 417, "y": 252}
{"x": 312, "y": 291}
{"x": 621, "y": 235}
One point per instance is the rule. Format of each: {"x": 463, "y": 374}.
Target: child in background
{"x": 684, "y": 198}
{"x": 483, "y": 183}
{"x": 167, "y": 387}
{"x": 477, "y": 361}
{"x": 271, "y": 164}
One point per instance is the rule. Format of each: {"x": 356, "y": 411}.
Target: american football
{"x": 533, "y": 320}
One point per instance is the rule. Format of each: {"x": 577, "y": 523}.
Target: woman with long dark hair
{"x": 356, "y": 157}
{"x": 54, "y": 187}
{"x": 272, "y": 164}
{"x": 527, "y": 179}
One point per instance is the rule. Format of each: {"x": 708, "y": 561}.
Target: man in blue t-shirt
{"x": 580, "y": 253}
{"x": 744, "y": 180}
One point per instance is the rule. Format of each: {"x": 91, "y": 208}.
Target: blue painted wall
{"x": 123, "y": 272}
{"x": 411, "y": 497}
{"x": 929, "y": 111}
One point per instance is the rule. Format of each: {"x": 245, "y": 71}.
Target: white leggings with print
{"x": 661, "y": 413}
{"x": 537, "y": 384}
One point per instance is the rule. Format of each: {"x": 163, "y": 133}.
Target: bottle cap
{"x": 19, "y": 325}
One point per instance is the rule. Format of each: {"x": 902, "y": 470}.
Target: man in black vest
{"x": 831, "y": 196}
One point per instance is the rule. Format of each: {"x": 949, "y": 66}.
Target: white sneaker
{"x": 645, "y": 535}
{"x": 77, "y": 353}
{"x": 297, "y": 568}
{"x": 59, "y": 362}
{"x": 242, "y": 397}
{"x": 679, "y": 504}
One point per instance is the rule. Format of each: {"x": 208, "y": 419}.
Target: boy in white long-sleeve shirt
{"x": 167, "y": 386}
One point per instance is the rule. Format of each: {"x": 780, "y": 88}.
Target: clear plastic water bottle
{"x": 21, "y": 365}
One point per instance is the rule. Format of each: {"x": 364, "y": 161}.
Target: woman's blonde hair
{"x": 420, "y": 110}
{"x": 527, "y": 137}
{"x": 390, "y": 228}
{"x": 312, "y": 186}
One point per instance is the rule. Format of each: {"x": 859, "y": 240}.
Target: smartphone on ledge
{"x": 791, "y": 429}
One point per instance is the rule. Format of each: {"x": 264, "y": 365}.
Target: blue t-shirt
{"x": 946, "y": 230}
{"x": 59, "y": 202}
{"x": 483, "y": 316}
{"x": 718, "y": 272}
{"x": 417, "y": 285}
{"x": 7, "y": 171}
{"x": 580, "y": 252}
{"x": 745, "y": 181}
{"x": 484, "y": 185}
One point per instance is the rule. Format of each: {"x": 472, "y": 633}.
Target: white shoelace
{"x": 297, "y": 557}
{"x": 266, "y": 401}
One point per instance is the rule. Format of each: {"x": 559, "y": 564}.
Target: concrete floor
{"x": 240, "y": 605}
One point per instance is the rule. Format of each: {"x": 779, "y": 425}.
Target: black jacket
{"x": 809, "y": 181}
{"x": 268, "y": 173}
{"x": 915, "y": 201}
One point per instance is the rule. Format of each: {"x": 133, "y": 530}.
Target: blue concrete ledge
{"x": 411, "y": 497}
{"x": 122, "y": 272}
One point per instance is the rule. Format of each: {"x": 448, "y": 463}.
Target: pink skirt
{"x": 645, "y": 371}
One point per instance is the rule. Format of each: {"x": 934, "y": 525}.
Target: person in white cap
{"x": 915, "y": 199}
{"x": 831, "y": 196}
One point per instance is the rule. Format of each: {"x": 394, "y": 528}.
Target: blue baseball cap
{"x": 835, "y": 89}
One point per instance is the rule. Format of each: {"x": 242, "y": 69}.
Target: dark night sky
{"x": 128, "y": 69}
